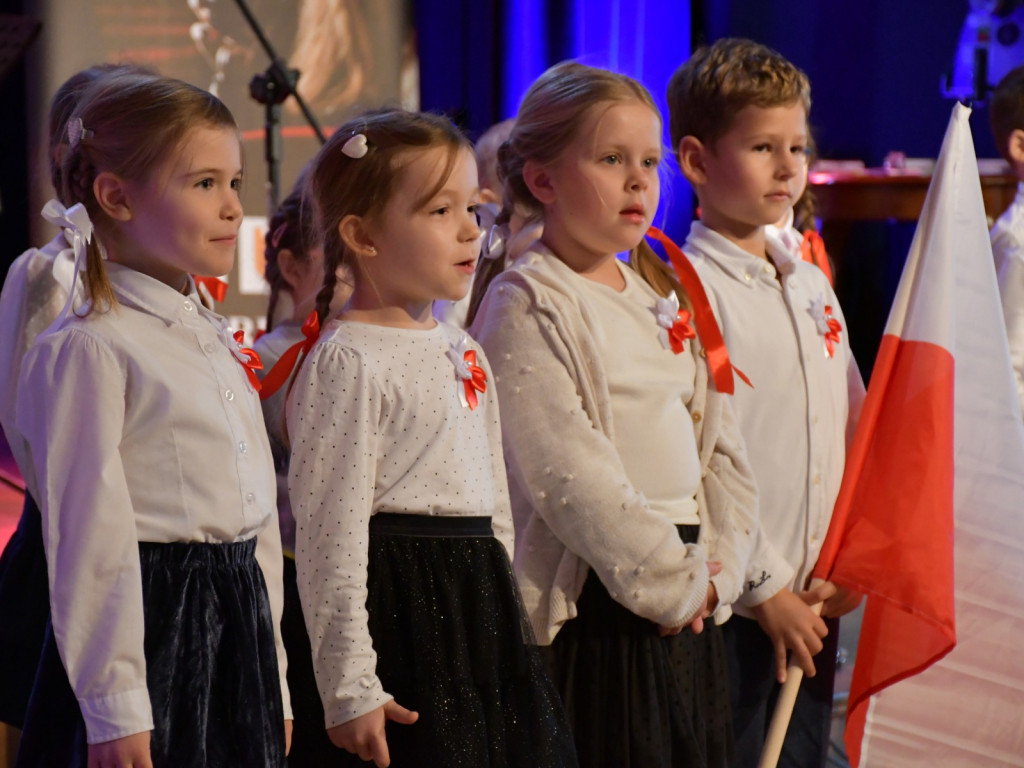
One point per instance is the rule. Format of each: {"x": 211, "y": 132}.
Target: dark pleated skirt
{"x": 452, "y": 643}
{"x": 24, "y": 612}
{"x": 637, "y": 700}
{"x": 211, "y": 667}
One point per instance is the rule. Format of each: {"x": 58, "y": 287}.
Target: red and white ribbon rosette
{"x": 828, "y": 326}
{"x": 674, "y": 323}
{"x": 471, "y": 376}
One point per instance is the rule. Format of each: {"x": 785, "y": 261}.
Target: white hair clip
{"x": 355, "y": 147}
{"x": 77, "y": 132}
{"x": 494, "y": 244}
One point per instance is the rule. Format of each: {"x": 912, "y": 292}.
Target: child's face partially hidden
{"x": 752, "y": 175}
{"x": 185, "y": 217}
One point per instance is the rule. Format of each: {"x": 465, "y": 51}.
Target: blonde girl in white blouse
{"x": 633, "y": 501}
{"x": 397, "y": 483}
{"x": 149, "y": 457}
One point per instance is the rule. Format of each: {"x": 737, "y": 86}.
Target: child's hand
{"x": 288, "y": 736}
{"x": 819, "y": 592}
{"x": 710, "y": 604}
{"x": 126, "y": 752}
{"x": 791, "y": 624}
{"x": 364, "y": 736}
{"x": 841, "y": 603}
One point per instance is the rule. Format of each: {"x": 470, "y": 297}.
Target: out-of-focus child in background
{"x": 504, "y": 240}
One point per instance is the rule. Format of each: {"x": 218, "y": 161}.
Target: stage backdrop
{"x": 353, "y": 54}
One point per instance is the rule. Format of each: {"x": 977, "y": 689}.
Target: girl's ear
{"x": 356, "y": 236}
{"x": 538, "y": 181}
{"x": 691, "y": 154}
{"x": 112, "y": 196}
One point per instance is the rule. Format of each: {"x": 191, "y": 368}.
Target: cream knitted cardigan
{"x": 573, "y": 506}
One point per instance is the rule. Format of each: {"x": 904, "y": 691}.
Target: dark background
{"x": 875, "y": 68}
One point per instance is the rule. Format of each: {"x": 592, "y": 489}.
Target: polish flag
{"x": 929, "y": 523}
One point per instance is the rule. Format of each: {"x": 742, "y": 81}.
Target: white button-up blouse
{"x": 142, "y": 426}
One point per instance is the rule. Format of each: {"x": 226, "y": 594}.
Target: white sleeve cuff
{"x": 371, "y": 696}
{"x": 117, "y": 715}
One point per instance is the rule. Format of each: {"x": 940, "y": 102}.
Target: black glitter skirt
{"x": 452, "y": 643}
{"x": 211, "y": 668}
{"x": 24, "y": 612}
{"x": 637, "y": 700}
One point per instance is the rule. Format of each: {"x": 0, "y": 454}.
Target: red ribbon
{"x": 282, "y": 370}
{"x": 812, "y": 250}
{"x": 707, "y": 326}
{"x": 252, "y": 364}
{"x": 832, "y": 337}
{"x": 680, "y": 331}
{"x": 218, "y": 288}
{"x": 477, "y": 382}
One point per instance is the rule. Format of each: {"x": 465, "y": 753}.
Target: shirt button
{"x": 188, "y": 305}
{"x": 250, "y": 498}
{"x": 767, "y": 268}
{"x": 242, "y": 447}
{"x": 817, "y": 479}
{"x": 228, "y": 394}
{"x": 747, "y": 276}
{"x": 814, "y": 420}
{"x": 209, "y": 347}
{"x": 696, "y": 416}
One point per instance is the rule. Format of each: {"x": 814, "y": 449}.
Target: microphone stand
{"x": 271, "y": 88}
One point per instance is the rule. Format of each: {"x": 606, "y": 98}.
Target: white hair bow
{"x": 77, "y": 228}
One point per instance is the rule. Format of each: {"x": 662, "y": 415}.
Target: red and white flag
{"x": 929, "y": 523}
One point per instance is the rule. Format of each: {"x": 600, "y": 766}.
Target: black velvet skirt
{"x": 452, "y": 643}
{"x": 637, "y": 700}
{"x": 24, "y": 612}
{"x": 211, "y": 667}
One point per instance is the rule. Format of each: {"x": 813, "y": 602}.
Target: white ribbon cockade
{"x": 355, "y": 147}
{"x": 77, "y": 228}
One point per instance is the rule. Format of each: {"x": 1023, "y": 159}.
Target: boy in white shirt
{"x": 1006, "y": 112}
{"x": 738, "y": 119}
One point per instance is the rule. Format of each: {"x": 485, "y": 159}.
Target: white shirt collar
{"x": 145, "y": 293}
{"x": 735, "y": 261}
